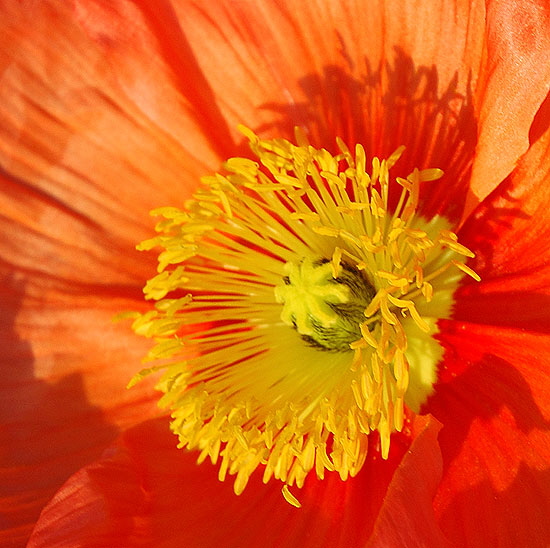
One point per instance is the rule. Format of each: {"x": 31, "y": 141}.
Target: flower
{"x": 93, "y": 137}
{"x": 295, "y": 310}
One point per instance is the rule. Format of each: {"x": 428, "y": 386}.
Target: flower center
{"x": 268, "y": 265}
{"x": 326, "y": 310}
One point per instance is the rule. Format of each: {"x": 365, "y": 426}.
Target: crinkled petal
{"x": 510, "y": 235}
{"x": 493, "y": 391}
{"x": 74, "y": 126}
{"x": 64, "y": 366}
{"x": 492, "y": 399}
{"x": 148, "y": 492}
{"x": 515, "y": 80}
{"x": 407, "y": 515}
{"x": 68, "y": 245}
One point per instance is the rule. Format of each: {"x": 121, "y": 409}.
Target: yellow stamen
{"x": 295, "y": 310}
{"x": 290, "y": 498}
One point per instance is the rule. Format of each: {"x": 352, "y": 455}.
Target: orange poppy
{"x": 111, "y": 109}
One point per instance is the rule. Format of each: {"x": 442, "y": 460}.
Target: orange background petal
{"x": 149, "y": 492}
{"x": 493, "y": 392}
{"x": 493, "y": 402}
{"x": 515, "y": 81}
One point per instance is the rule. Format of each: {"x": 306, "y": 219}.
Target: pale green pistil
{"x": 325, "y": 310}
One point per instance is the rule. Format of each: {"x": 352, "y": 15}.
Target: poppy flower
{"x": 110, "y": 110}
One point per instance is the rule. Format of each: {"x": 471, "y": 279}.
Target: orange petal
{"x": 510, "y": 234}
{"x": 147, "y": 491}
{"x": 67, "y": 265}
{"x": 79, "y": 125}
{"x": 515, "y": 81}
{"x": 320, "y": 64}
{"x": 64, "y": 366}
{"x": 72, "y": 245}
{"x": 493, "y": 392}
{"x": 180, "y": 101}
{"x": 493, "y": 402}
{"x": 407, "y": 515}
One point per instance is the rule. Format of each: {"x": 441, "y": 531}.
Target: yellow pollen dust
{"x": 295, "y": 309}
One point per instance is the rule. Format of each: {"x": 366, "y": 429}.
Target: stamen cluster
{"x": 243, "y": 385}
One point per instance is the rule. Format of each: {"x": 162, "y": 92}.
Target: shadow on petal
{"x": 145, "y": 490}
{"x": 517, "y": 516}
{"x": 49, "y": 429}
{"x": 398, "y": 103}
{"x": 495, "y": 451}
{"x": 525, "y": 309}
{"x": 482, "y": 391}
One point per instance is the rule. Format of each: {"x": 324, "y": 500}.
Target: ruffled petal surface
{"x": 494, "y": 392}
{"x": 86, "y": 110}
{"x": 495, "y": 441}
{"x": 407, "y": 516}
{"x": 84, "y": 156}
{"x": 63, "y": 399}
{"x": 147, "y": 492}
{"x": 64, "y": 366}
{"x": 515, "y": 80}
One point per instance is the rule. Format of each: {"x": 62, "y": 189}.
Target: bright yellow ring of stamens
{"x": 242, "y": 386}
